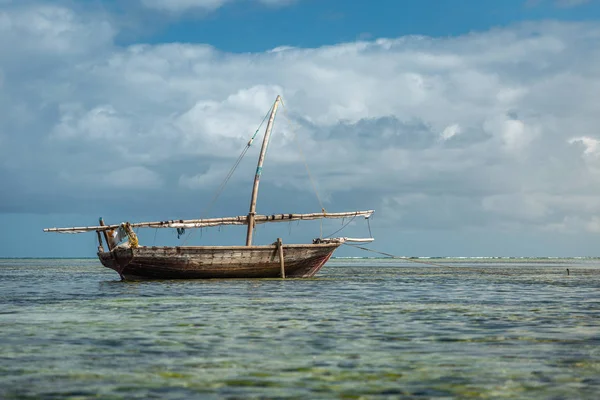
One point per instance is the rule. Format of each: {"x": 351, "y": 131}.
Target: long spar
{"x": 201, "y": 223}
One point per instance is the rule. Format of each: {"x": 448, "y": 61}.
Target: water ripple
{"x": 362, "y": 329}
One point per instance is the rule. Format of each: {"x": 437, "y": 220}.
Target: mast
{"x": 261, "y": 159}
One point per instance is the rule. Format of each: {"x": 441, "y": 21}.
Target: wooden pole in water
{"x": 108, "y": 242}
{"x": 281, "y": 262}
{"x": 261, "y": 159}
{"x": 100, "y": 247}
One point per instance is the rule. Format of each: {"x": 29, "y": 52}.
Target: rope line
{"x": 229, "y": 175}
{"x": 401, "y": 258}
{"x": 312, "y": 182}
{"x": 223, "y": 184}
{"x": 343, "y": 226}
{"x": 235, "y": 165}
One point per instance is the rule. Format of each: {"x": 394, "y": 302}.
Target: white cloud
{"x": 450, "y": 131}
{"x": 521, "y": 206}
{"x": 182, "y": 5}
{"x": 133, "y": 178}
{"x": 213, "y": 120}
{"x": 209, "y": 178}
{"x": 571, "y": 3}
{"x": 592, "y": 146}
{"x": 558, "y": 3}
{"x": 178, "y": 6}
{"x": 591, "y": 153}
{"x": 516, "y": 109}
{"x": 47, "y": 30}
{"x": 112, "y": 176}
{"x": 100, "y": 123}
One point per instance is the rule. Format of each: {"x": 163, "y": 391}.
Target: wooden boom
{"x": 209, "y": 222}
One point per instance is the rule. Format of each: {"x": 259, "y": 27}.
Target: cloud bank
{"x": 491, "y": 130}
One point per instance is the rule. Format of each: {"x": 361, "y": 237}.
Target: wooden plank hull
{"x": 206, "y": 262}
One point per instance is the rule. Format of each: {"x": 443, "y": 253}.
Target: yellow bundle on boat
{"x": 133, "y": 239}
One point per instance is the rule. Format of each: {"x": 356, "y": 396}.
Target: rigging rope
{"x": 232, "y": 170}
{"x": 345, "y": 225}
{"x": 400, "y": 258}
{"x": 312, "y": 182}
{"x": 239, "y": 160}
{"x": 229, "y": 174}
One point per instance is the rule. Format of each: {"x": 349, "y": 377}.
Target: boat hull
{"x": 214, "y": 262}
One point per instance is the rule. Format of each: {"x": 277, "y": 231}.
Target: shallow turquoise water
{"x": 363, "y": 328}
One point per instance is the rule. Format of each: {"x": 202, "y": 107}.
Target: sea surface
{"x": 364, "y": 328}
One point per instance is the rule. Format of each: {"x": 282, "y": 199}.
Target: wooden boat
{"x": 132, "y": 261}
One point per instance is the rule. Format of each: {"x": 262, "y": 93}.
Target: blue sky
{"x": 240, "y": 27}
{"x": 469, "y": 126}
